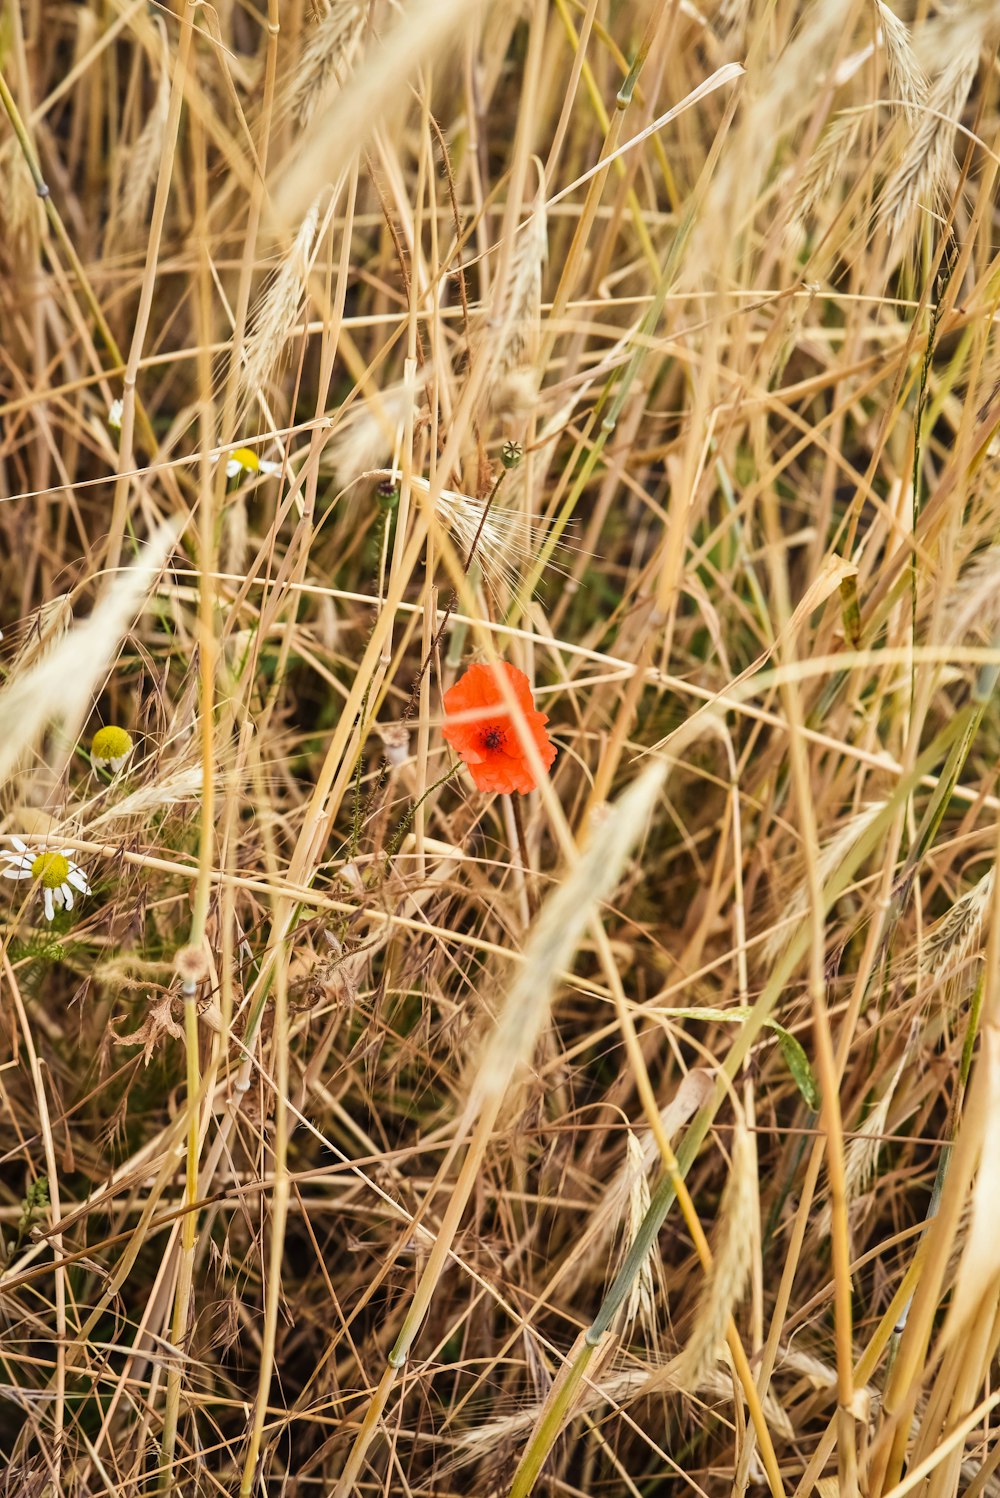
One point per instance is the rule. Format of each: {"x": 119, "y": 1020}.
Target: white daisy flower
{"x": 110, "y": 748}
{"x": 115, "y": 415}
{"x": 56, "y": 874}
{"x": 244, "y": 460}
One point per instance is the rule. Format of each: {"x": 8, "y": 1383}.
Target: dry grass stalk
{"x": 326, "y": 60}
{"x": 277, "y": 311}
{"x": 59, "y": 687}
{"x": 832, "y": 854}
{"x": 920, "y": 181}
{"x": 726, "y": 1279}
{"x": 141, "y": 166}
{"x": 907, "y": 80}
{"x": 511, "y": 336}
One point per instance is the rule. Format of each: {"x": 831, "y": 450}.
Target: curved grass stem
{"x": 542, "y": 1440}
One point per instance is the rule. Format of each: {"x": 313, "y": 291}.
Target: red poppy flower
{"x": 489, "y": 742}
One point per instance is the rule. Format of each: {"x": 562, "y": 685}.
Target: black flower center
{"x": 494, "y": 738}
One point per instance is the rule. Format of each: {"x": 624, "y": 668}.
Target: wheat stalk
{"x": 640, "y": 1297}
{"x": 831, "y": 855}
{"x": 726, "y": 1279}
{"x": 367, "y": 436}
{"x": 504, "y": 542}
{"x": 326, "y": 60}
{"x": 907, "y": 79}
{"x": 920, "y": 179}
{"x": 511, "y": 335}
{"x": 58, "y": 687}
{"x": 825, "y": 169}
{"x": 624, "y": 1387}
{"x": 949, "y": 943}
{"x": 19, "y": 206}
{"x": 143, "y": 162}
{"x": 277, "y": 311}
{"x": 862, "y": 1153}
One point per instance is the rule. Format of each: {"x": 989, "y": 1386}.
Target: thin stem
{"x": 189, "y": 1227}
{"x": 206, "y": 827}
{"x": 665, "y": 1193}
{"x": 68, "y": 249}
{"x": 411, "y": 704}
{"x": 554, "y": 938}
{"x": 119, "y": 508}
{"x": 522, "y": 851}
{"x": 668, "y": 1159}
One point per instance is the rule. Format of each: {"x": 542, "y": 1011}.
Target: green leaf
{"x": 795, "y": 1057}
{"x": 851, "y": 611}
{"x": 798, "y": 1064}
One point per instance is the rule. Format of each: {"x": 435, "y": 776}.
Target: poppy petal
{"x": 489, "y": 743}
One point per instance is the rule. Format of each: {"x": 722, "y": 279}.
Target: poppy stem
{"x": 522, "y": 852}
{"x": 453, "y": 600}
{"x": 411, "y": 703}
{"x": 393, "y": 847}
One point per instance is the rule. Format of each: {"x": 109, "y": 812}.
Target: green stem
{"x": 551, "y": 1424}
{"x": 400, "y": 832}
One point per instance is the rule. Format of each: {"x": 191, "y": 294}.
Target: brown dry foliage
{"x": 751, "y": 364}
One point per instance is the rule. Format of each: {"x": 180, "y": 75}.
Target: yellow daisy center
{"x": 246, "y": 458}
{"x": 51, "y": 868}
{"x": 111, "y": 743}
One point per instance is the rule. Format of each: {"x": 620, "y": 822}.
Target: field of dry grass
{"x": 364, "y": 1130}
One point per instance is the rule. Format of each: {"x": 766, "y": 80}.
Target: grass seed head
{"x": 278, "y": 309}
{"x": 921, "y": 179}
{"x": 326, "y": 60}
{"x": 140, "y": 170}
{"x": 511, "y": 336}
{"x": 725, "y": 1280}
{"x": 907, "y": 79}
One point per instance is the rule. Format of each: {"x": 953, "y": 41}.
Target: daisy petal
{"x": 49, "y": 910}
{"x": 78, "y": 879}
{"x": 67, "y": 896}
